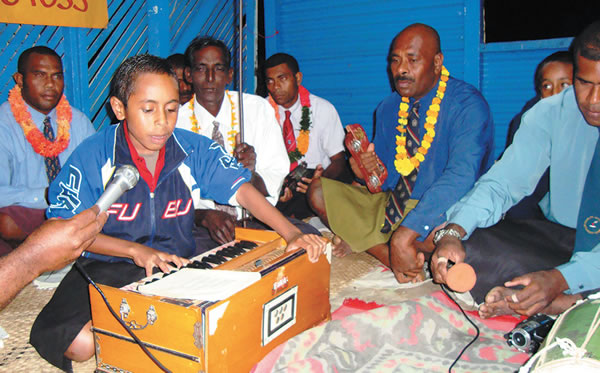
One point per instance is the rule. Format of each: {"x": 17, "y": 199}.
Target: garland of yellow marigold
{"x": 38, "y": 141}
{"x": 405, "y": 164}
{"x": 303, "y": 139}
{"x": 234, "y": 122}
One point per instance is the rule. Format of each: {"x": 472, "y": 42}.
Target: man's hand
{"x": 313, "y": 244}
{"x": 451, "y": 249}
{"x": 220, "y": 225}
{"x": 368, "y": 159}
{"x": 286, "y": 195}
{"x": 148, "y": 258}
{"x": 245, "y": 154}
{"x": 405, "y": 260}
{"x": 541, "y": 288}
{"x": 58, "y": 242}
{"x": 302, "y": 186}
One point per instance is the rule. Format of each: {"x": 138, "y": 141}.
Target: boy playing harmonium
{"x": 150, "y": 225}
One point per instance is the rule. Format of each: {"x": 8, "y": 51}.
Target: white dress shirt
{"x": 326, "y": 136}
{"x": 260, "y": 131}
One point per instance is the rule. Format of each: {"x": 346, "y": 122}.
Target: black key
{"x": 218, "y": 259}
{"x": 237, "y": 249}
{"x": 227, "y": 253}
{"x": 248, "y": 244}
{"x": 198, "y": 264}
{"x": 210, "y": 261}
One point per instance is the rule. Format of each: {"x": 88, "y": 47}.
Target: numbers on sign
{"x": 64, "y": 5}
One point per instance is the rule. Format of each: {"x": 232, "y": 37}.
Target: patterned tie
{"x": 288, "y": 136}
{"x": 394, "y": 209}
{"x": 52, "y": 163}
{"x": 217, "y": 136}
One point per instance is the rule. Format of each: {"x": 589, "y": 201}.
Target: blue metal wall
{"x": 342, "y": 45}
{"x": 90, "y": 56}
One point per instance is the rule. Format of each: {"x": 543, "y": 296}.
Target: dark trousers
{"x": 69, "y": 310}
{"x": 513, "y": 248}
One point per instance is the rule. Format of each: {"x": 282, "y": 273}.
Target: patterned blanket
{"x": 423, "y": 334}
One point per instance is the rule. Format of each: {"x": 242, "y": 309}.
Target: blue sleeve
{"x": 582, "y": 271}
{"x": 385, "y": 143}
{"x": 219, "y": 174}
{"x": 470, "y": 132}
{"x": 73, "y": 189}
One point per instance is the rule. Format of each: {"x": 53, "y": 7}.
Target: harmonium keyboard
{"x": 227, "y": 335}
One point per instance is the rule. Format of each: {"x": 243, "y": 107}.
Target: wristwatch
{"x": 445, "y": 232}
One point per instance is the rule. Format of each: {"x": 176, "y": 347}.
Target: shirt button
{"x": 35, "y": 199}
{"x": 581, "y": 286}
{"x": 426, "y": 227}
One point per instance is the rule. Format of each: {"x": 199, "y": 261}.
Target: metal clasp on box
{"x": 151, "y": 316}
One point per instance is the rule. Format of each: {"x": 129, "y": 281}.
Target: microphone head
{"x": 128, "y": 175}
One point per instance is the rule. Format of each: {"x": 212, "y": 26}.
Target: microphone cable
{"x": 112, "y": 311}
{"x": 445, "y": 290}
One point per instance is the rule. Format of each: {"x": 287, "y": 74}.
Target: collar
{"x": 223, "y": 116}
{"x": 38, "y": 118}
{"x": 140, "y": 162}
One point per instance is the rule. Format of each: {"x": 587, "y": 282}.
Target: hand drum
{"x": 357, "y": 142}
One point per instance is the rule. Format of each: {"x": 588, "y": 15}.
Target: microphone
{"x": 125, "y": 178}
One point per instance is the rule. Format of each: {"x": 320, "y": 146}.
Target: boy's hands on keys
{"x": 313, "y": 244}
{"x": 148, "y": 258}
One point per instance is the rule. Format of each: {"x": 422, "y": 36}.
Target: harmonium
{"x": 282, "y": 294}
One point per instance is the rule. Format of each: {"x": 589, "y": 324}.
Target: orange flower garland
{"x": 303, "y": 139}
{"x": 38, "y": 141}
{"x": 234, "y": 123}
{"x": 405, "y": 164}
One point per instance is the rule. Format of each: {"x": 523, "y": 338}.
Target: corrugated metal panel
{"x": 90, "y": 56}
{"x": 507, "y": 71}
{"x": 342, "y": 45}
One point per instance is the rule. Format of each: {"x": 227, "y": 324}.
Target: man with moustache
{"x": 177, "y": 62}
{"x": 546, "y": 264}
{"x": 434, "y": 134}
{"x": 38, "y": 132}
{"x": 214, "y": 113}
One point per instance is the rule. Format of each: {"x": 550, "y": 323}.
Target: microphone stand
{"x": 241, "y": 83}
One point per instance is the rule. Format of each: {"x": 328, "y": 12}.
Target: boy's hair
{"x": 40, "y": 49}
{"x": 177, "y": 61}
{"x": 279, "y": 58}
{"x": 560, "y": 56}
{"x": 200, "y": 42}
{"x": 123, "y": 81}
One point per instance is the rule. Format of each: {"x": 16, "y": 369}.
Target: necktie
{"x": 394, "y": 210}
{"x": 52, "y": 163}
{"x": 288, "y": 136}
{"x": 587, "y": 234}
{"x": 217, "y": 136}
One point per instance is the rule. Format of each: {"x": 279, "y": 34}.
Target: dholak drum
{"x": 573, "y": 343}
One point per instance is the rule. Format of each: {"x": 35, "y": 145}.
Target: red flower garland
{"x": 38, "y": 141}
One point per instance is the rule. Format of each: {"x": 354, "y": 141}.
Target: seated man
{"x": 434, "y": 135}
{"x": 552, "y": 75}
{"x": 545, "y": 263}
{"x": 53, "y": 245}
{"x": 214, "y": 113}
{"x": 151, "y": 224}
{"x": 177, "y": 62}
{"x": 312, "y": 131}
{"x": 38, "y": 132}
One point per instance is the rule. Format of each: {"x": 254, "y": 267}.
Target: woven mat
{"x": 19, "y": 356}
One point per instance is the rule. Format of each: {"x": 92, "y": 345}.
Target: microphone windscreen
{"x": 125, "y": 178}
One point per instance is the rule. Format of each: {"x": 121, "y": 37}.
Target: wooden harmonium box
{"x": 289, "y": 295}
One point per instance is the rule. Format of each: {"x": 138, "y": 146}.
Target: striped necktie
{"x": 217, "y": 136}
{"x": 52, "y": 163}
{"x": 394, "y": 210}
{"x": 288, "y": 136}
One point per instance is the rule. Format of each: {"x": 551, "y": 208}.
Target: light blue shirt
{"x": 553, "y": 133}
{"x": 23, "y": 179}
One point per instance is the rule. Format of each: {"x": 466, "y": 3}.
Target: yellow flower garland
{"x": 234, "y": 123}
{"x": 405, "y": 164}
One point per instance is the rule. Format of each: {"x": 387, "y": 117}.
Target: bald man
{"x": 434, "y": 134}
